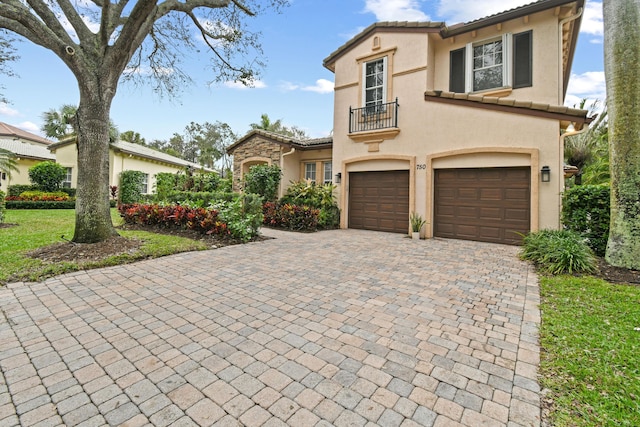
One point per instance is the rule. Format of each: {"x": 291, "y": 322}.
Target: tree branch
{"x": 75, "y": 20}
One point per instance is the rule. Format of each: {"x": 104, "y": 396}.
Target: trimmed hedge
{"x": 18, "y": 189}
{"x": 25, "y": 204}
{"x": 586, "y": 211}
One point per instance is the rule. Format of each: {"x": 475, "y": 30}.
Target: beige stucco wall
{"x": 434, "y": 135}
{"x": 20, "y": 177}
{"x": 546, "y": 55}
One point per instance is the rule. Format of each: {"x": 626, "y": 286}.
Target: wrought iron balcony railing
{"x": 373, "y": 117}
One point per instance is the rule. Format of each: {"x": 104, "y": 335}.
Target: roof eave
{"x": 516, "y": 13}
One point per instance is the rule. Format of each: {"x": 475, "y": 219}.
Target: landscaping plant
{"x": 263, "y": 180}
{"x": 320, "y": 197}
{"x": 131, "y": 186}
{"x": 585, "y": 210}
{"x": 47, "y": 176}
{"x": 558, "y": 252}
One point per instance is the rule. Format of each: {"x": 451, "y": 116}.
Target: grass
{"x": 37, "y": 228}
{"x": 590, "y": 336}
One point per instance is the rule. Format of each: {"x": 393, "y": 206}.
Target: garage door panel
{"x": 490, "y": 204}
{"x": 384, "y": 200}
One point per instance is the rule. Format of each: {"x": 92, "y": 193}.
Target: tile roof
{"x": 446, "y": 31}
{"x": 511, "y": 105}
{"x": 12, "y": 131}
{"x": 24, "y": 149}
{"x": 516, "y": 12}
{"x": 140, "y": 151}
{"x": 303, "y": 144}
{"x": 150, "y": 153}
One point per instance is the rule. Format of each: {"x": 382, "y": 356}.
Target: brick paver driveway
{"x": 344, "y": 328}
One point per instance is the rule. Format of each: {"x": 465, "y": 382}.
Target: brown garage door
{"x": 487, "y": 205}
{"x": 379, "y": 201}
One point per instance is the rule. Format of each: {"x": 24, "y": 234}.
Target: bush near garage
{"x": 558, "y": 252}
{"x": 321, "y": 197}
{"x": 586, "y": 210}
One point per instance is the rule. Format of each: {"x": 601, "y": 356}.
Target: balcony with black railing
{"x": 373, "y": 117}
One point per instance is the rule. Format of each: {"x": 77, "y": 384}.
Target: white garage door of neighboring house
{"x": 379, "y": 200}
{"x": 483, "y": 204}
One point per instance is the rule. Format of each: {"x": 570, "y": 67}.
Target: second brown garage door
{"x": 484, "y": 204}
{"x": 379, "y": 201}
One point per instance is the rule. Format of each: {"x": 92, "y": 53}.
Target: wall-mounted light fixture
{"x": 338, "y": 177}
{"x": 545, "y": 174}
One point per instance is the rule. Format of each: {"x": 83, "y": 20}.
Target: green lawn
{"x": 37, "y": 228}
{"x": 590, "y": 337}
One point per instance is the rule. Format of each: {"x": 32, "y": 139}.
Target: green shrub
{"x": 53, "y": 196}
{"x": 290, "y": 217}
{"x": 243, "y": 216}
{"x": 70, "y": 191}
{"x": 264, "y": 181}
{"x": 25, "y": 204}
{"x": 167, "y": 183}
{"x": 48, "y": 176}
{"x": 131, "y": 186}
{"x": 2, "y": 206}
{"x": 198, "y": 199}
{"x": 558, "y": 252}
{"x": 17, "y": 189}
{"x": 321, "y": 197}
{"x": 586, "y": 210}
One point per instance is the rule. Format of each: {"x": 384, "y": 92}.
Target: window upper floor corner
{"x": 505, "y": 61}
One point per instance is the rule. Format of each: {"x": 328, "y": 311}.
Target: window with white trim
{"x": 66, "y": 183}
{"x": 145, "y": 184}
{"x": 328, "y": 178}
{"x": 310, "y": 171}
{"x": 492, "y": 64}
{"x": 374, "y": 77}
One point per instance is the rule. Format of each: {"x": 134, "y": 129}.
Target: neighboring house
{"x": 298, "y": 159}
{"x": 460, "y": 124}
{"x": 29, "y": 150}
{"x": 123, "y": 156}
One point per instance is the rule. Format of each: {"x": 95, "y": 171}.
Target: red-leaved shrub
{"x": 202, "y": 220}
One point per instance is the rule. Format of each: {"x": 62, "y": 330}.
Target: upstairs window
{"x": 375, "y": 84}
{"x": 492, "y": 64}
{"x": 488, "y": 71}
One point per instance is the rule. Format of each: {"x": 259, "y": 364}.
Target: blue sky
{"x": 294, "y": 87}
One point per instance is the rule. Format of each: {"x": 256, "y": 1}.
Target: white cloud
{"x": 5, "y": 110}
{"x": 256, "y": 84}
{"x": 30, "y": 127}
{"x": 395, "y": 10}
{"x": 455, "y": 11}
{"x": 321, "y": 86}
{"x": 592, "y": 22}
{"x": 590, "y": 85}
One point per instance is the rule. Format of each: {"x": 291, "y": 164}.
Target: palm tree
{"x": 8, "y": 162}
{"x": 622, "y": 75}
{"x": 60, "y": 124}
{"x": 279, "y": 128}
{"x": 580, "y": 150}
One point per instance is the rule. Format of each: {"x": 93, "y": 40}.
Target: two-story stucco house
{"x": 456, "y": 123}
{"x": 462, "y": 124}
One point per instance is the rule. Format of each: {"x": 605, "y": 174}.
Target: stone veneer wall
{"x": 255, "y": 147}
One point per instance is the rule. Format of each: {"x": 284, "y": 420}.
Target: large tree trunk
{"x": 93, "y": 217}
{"x": 622, "y": 70}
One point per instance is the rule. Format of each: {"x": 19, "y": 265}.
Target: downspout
{"x": 561, "y": 157}
{"x": 560, "y": 68}
{"x": 293, "y": 150}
